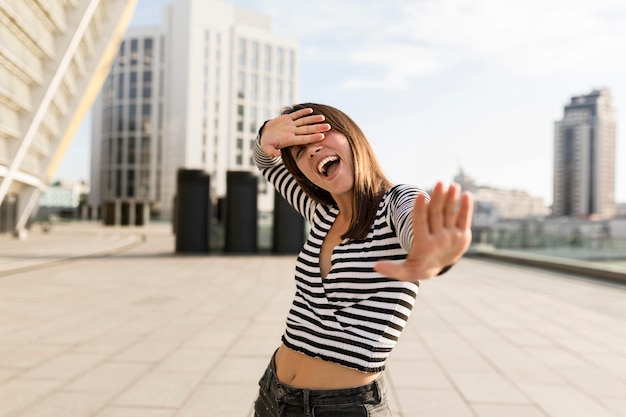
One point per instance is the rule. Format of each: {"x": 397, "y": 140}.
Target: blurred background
{"x": 104, "y": 102}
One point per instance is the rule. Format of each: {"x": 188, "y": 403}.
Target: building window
{"x": 255, "y": 55}
{"x": 268, "y": 58}
{"x": 242, "y": 51}
{"x": 292, "y": 63}
{"x": 279, "y": 92}
{"x": 132, "y": 93}
{"x": 254, "y": 87}
{"x": 120, "y": 118}
{"x": 132, "y": 117}
{"x": 145, "y": 150}
{"x": 239, "y": 118}
{"x": 134, "y": 54}
{"x": 118, "y": 183}
{"x": 120, "y": 85}
{"x": 241, "y": 84}
{"x": 120, "y": 150}
{"x": 267, "y": 90}
{"x": 253, "y": 120}
{"x": 131, "y": 150}
{"x": 130, "y": 183}
{"x": 146, "y": 118}
{"x": 147, "y": 52}
{"x": 147, "y": 84}
{"x": 280, "y": 60}
{"x": 121, "y": 55}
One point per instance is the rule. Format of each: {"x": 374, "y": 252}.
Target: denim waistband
{"x": 315, "y": 397}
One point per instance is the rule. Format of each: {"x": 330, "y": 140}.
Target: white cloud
{"x": 401, "y": 40}
{"x": 399, "y": 63}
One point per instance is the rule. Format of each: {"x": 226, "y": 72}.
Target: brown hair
{"x": 370, "y": 183}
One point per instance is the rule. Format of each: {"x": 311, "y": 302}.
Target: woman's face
{"x": 327, "y": 163}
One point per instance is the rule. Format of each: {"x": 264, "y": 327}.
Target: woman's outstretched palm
{"x": 441, "y": 235}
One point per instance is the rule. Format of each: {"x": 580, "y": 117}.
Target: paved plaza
{"x": 98, "y": 322}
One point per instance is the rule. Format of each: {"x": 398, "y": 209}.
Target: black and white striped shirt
{"x": 354, "y": 316}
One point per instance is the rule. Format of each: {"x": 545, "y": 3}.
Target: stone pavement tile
{"x": 615, "y": 364}
{"x": 251, "y": 345}
{"x": 223, "y": 400}
{"x": 453, "y": 352}
{"x": 497, "y": 410}
{"x": 136, "y": 412}
{"x": 527, "y": 338}
{"x": 271, "y": 329}
{"x": 189, "y": 360}
{"x": 146, "y": 352}
{"x": 19, "y": 393}
{"x": 556, "y": 358}
{"x": 410, "y": 350}
{"x": 219, "y": 334}
{"x": 67, "y": 405}
{"x": 159, "y": 389}
{"x": 64, "y": 367}
{"x": 483, "y": 387}
{"x": 7, "y": 374}
{"x": 84, "y": 332}
{"x": 108, "y": 378}
{"x": 516, "y": 363}
{"x": 238, "y": 370}
{"x": 565, "y": 401}
{"x": 593, "y": 381}
{"x": 417, "y": 374}
{"x": 431, "y": 403}
{"x": 29, "y": 356}
{"x": 178, "y": 330}
{"x": 616, "y": 405}
{"x": 108, "y": 344}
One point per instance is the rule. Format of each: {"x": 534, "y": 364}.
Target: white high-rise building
{"x": 584, "y": 157}
{"x": 54, "y": 56}
{"x": 189, "y": 94}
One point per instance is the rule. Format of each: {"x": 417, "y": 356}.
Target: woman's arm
{"x": 436, "y": 234}
{"x": 280, "y": 133}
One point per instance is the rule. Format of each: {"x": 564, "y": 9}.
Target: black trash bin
{"x": 241, "y": 212}
{"x": 288, "y": 227}
{"x": 192, "y": 212}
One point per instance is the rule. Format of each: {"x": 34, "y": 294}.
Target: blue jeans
{"x": 281, "y": 400}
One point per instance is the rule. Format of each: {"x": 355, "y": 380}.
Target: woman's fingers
{"x": 449, "y": 210}
{"x": 391, "y": 269}
{"x": 464, "y": 217}
{"x": 435, "y": 209}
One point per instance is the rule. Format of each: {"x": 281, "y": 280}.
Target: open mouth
{"x": 328, "y": 165}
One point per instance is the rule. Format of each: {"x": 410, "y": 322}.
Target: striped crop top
{"x": 354, "y": 316}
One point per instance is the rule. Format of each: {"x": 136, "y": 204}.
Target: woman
{"x": 357, "y": 274}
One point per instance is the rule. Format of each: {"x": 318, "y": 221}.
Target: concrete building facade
{"x": 190, "y": 93}
{"x": 584, "y": 158}
{"x": 54, "y": 56}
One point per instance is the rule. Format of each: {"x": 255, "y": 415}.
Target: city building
{"x": 584, "y": 158}
{"x": 62, "y": 199}
{"x": 492, "y": 204}
{"x": 190, "y": 93}
{"x": 54, "y": 56}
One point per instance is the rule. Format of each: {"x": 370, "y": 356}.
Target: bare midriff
{"x": 301, "y": 371}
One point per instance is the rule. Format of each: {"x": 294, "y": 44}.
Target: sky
{"x": 443, "y": 85}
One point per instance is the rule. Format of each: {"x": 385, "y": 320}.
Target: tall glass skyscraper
{"x": 190, "y": 93}
{"x": 584, "y": 158}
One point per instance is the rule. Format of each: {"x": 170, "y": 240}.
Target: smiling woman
{"x": 358, "y": 272}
